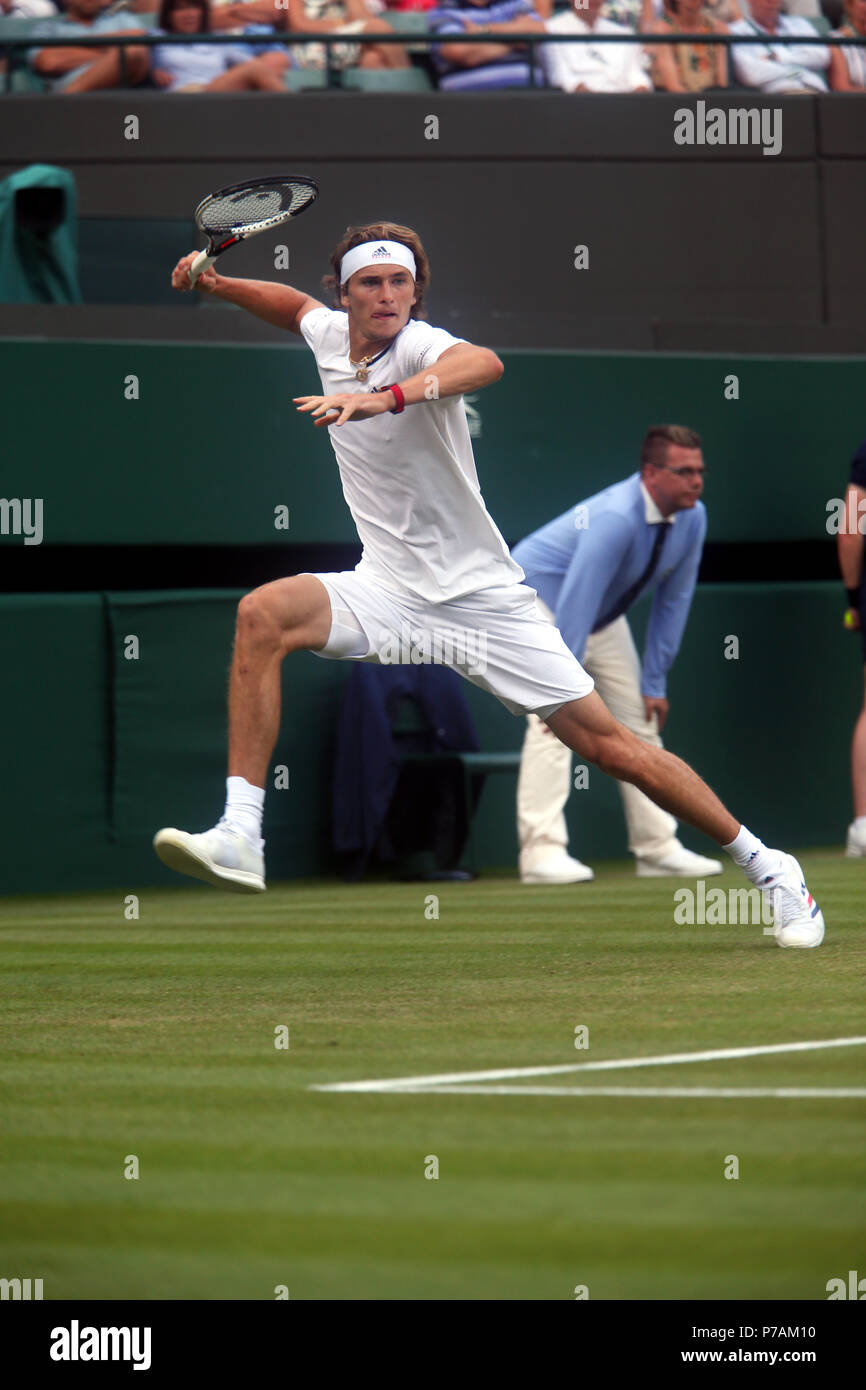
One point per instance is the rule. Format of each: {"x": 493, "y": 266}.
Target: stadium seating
{"x": 19, "y": 77}
{"x": 305, "y": 79}
{"x": 387, "y": 80}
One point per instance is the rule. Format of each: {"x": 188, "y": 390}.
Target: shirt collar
{"x": 651, "y": 511}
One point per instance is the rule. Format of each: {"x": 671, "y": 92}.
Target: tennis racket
{"x": 244, "y": 209}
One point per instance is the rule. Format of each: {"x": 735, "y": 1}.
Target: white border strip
{"x": 458, "y": 1078}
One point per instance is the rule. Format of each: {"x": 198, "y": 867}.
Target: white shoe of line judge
{"x": 560, "y": 867}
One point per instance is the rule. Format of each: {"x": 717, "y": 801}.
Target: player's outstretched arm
{"x": 458, "y": 369}
{"x": 279, "y": 305}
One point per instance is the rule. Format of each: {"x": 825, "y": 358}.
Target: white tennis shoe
{"x": 797, "y": 918}
{"x": 556, "y": 868}
{"x": 221, "y": 856}
{"x": 855, "y": 845}
{"x": 678, "y": 863}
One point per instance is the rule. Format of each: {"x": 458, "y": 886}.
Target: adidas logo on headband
{"x": 369, "y": 253}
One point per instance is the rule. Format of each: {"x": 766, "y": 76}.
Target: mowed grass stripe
{"x": 155, "y": 1037}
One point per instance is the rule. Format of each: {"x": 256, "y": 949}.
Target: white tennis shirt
{"x": 409, "y": 480}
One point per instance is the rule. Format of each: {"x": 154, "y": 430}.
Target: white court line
{"x": 689, "y": 1092}
{"x": 417, "y": 1083}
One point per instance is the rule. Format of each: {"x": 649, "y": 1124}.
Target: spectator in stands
{"x": 342, "y": 17}
{"x": 778, "y": 68}
{"x": 238, "y": 15}
{"x": 641, "y": 15}
{"x": 726, "y": 12}
{"x": 688, "y": 67}
{"x": 586, "y": 67}
{"x": 848, "y": 64}
{"x": 464, "y": 67}
{"x": 637, "y": 15}
{"x": 808, "y": 9}
{"x": 210, "y": 67}
{"x": 79, "y": 69}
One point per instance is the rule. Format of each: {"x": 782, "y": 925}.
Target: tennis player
{"x": 434, "y": 565}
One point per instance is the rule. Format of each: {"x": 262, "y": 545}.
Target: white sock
{"x": 859, "y": 824}
{"x": 244, "y": 806}
{"x": 753, "y": 857}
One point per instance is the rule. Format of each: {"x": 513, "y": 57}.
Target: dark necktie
{"x": 628, "y": 598}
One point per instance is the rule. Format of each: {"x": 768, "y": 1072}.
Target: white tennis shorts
{"x": 494, "y": 638}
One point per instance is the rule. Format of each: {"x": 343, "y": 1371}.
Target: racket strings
{"x": 251, "y": 207}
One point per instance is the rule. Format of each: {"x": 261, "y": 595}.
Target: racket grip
{"x": 202, "y": 262}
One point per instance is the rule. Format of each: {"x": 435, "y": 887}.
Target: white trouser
{"x": 544, "y": 783}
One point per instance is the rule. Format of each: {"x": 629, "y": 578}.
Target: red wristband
{"x": 398, "y": 397}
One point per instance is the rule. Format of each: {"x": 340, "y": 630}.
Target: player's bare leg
{"x": 274, "y": 620}
{"x": 285, "y": 616}
{"x": 588, "y": 727}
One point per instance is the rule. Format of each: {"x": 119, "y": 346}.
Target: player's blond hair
{"x": 381, "y": 231}
{"x": 654, "y": 450}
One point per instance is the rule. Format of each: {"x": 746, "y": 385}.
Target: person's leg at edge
{"x": 284, "y": 616}
{"x": 856, "y": 847}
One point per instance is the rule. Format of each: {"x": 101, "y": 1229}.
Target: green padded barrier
{"x": 158, "y": 470}
{"x": 54, "y": 713}
{"x": 101, "y": 751}
{"x": 169, "y": 728}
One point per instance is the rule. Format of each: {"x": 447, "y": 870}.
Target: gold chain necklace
{"x": 363, "y": 367}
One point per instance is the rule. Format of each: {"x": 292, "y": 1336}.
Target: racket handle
{"x": 202, "y": 262}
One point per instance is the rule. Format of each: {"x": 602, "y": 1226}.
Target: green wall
{"x": 213, "y": 443}
{"x": 101, "y": 751}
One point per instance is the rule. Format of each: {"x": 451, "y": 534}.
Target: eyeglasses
{"x": 683, "y": 472}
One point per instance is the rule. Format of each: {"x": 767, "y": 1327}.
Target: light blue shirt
{"x": 71, "y": 30}
{"x": 197, "y": 62}
{"x": 582, "y": 563}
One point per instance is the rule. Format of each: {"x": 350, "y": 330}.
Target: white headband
{"x": 374, "y": 252}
